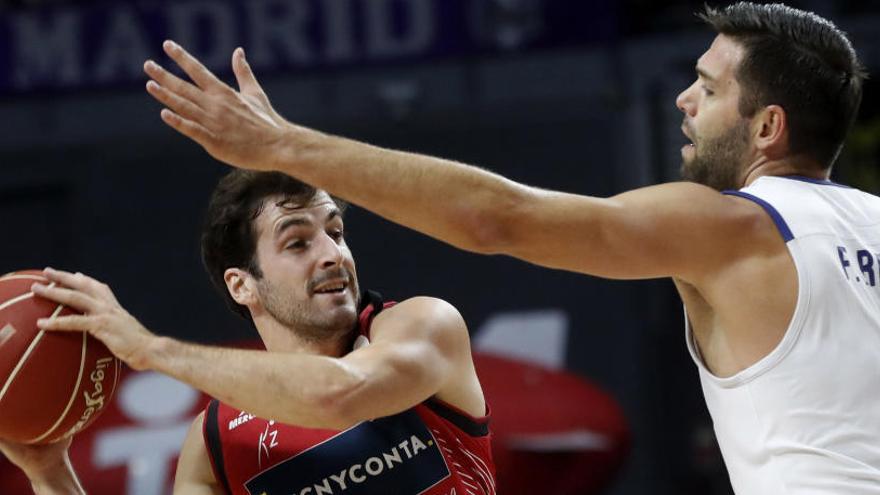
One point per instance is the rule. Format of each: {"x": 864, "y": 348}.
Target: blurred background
{"x": 575, "y": 95}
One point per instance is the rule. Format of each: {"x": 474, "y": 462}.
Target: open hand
{"x": 236, "y": 127}
{"x": 103, "y": 317}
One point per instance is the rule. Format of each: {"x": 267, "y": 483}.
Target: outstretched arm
{"x": 420, "y": 348}
{"x": 681, "y": 230}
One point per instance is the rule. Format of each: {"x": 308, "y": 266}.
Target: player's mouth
{"x": 684, "y": 130}
{"x": 688, "y": 147}
{"x": 335, "y": 286}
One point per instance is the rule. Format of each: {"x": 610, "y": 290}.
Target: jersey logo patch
{"x": 397, "y": 454}
{"x": 242, "y": 418}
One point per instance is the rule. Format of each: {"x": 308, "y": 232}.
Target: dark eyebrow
{"x": 290, "y": 222}
{"x": 303, "y": 221}
{"x": 705, "y": 75}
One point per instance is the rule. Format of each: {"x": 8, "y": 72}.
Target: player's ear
{"x": 240, "y": 285}
{"x": 771, "y": 131}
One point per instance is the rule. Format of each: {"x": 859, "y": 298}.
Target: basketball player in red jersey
{"x": 384, "y": 396}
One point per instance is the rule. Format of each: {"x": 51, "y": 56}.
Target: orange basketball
{"x": 52, "y": 384}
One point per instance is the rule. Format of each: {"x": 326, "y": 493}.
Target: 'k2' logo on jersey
{"x": 268, "y": 441}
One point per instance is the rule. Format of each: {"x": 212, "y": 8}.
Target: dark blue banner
{"x": 105, "y": 44}
{"x": 389, "y": 455}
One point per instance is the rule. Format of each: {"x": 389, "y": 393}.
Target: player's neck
{"x": 280, "y": 338}
{"x": 795, "y": 165}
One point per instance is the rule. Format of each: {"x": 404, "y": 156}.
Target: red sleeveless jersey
{"x": 431, "y": 449}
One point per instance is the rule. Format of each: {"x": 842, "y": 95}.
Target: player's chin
{"x": 343, "y": 301}
{"x": 341, "y": 317}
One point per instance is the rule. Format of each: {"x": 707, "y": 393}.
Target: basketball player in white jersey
{"x": 778, "y": 267}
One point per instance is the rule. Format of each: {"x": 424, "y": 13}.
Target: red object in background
{"x": 51, "y": 384}
{"x": 553, "y": 431}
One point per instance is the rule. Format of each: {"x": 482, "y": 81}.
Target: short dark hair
{"x": 801, "y": 62}
{"x": 229, "y": 237}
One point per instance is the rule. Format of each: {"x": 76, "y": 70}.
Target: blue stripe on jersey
{"x": 822, "y": 182}
{"x": 784, "y": 231}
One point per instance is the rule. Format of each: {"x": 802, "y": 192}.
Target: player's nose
{"x": 331, "y": 253}
{"x": 685, "y": 102}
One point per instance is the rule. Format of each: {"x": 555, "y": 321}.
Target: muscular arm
{"x": 418, "y": 349}
{"x": 679, "y": 230}
{"x": 194, "y": 473}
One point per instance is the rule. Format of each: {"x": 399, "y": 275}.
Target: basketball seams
{"x": 20, "y": 276}
{"x": 76, "y": 388}
{"x": 14, "y": 300}
{"x": 118, "y": 369}
{"x": 20, "y": 364}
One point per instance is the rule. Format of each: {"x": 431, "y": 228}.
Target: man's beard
{"x": 717, "y": 161}
{"x": 309, "y": 322}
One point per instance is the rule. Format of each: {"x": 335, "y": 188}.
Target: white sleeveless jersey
{"x": 805, "y": 419}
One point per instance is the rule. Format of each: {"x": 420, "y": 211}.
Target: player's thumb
{"x": 247, "y": 82}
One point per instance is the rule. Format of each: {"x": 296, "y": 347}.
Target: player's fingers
{"x": 199, "y": 74}
{"x": 179, "y": 105}
{"x": 67, "y": 279}
{"x": 247, "y": 82}
{"x": 68, "y": 297}
{"x": 68, "y": 323}
{"x": 173, "y": 83}
{"x": 188, "y": 128}
{"x": 77, "y": 281}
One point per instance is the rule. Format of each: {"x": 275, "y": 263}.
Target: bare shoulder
{"x": 757, "y": 222}
{"x": 195, "y": 475}
{"x": 689, "y": 201}
{"x": 194, "y": 436}
{"x": 438, "y": 328}
{"x": 688, "y": 231}
{"x": 422, "y": 317}
{"x": 738, "y": 229}
{"x": 424, "y": 309}
{"x": 194, "y": 447}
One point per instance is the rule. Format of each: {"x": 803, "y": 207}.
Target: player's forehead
{"x": 279, "y": 211}
{"x": 720, "y": 61}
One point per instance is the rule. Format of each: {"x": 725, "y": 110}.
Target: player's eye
{"x": 297, "y": 244}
